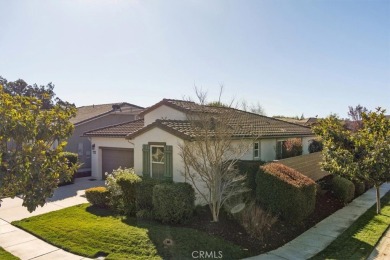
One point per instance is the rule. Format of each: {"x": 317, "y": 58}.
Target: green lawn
{"x": 358, "y": 241}
{"x": 4, "y": 255}
{"x": 92, "y": 232}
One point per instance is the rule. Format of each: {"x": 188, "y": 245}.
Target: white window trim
{"x": 258, "y": 150}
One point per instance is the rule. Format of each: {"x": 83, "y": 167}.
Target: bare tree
{"x": 211, "y": 154}
{"x": 355, "y": 114}
{"x": 253, "y": 108}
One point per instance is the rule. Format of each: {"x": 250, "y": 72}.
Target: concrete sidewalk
{"x": 27, "y": 246}
{"x": 321, "y": 235}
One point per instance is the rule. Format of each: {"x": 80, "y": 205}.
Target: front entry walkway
{"x": 27, "y": 246}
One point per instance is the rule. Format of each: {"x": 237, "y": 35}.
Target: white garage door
{"x": 113, "y": 158}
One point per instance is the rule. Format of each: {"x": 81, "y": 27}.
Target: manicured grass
{"x": 92, "y": 232}
{"x": 358, "y": 241}
{"x": 4, "y": 255}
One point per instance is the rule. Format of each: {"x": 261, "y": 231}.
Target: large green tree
{"x": 33, "y": 132}
{"x": 362, "y": 154}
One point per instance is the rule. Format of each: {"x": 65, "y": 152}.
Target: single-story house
{"x": 151, "y": 144}
{"x": 92, "y": 117}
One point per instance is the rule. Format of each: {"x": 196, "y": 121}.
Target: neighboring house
{"x": 151, "y": 144}
{"x": 92, "y": 117}
{"x": 292, "y": 120}
{"x": 311, "y": 121}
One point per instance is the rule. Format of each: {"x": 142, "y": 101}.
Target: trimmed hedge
{"x": 145, "y": 193}
{"x": 285, "y": 192}
{"x": 173, "y": 202}
{"x": 128, "y": 184}
{"x": 98, "y": 196}
{"x": 343, "y": 189}
{"x": 250, "y": 169}
{"x": 145, "y": 214}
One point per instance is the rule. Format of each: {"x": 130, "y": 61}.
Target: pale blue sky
{"x": 294, "y": 57}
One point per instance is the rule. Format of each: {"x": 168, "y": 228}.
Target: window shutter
{"x": 168, "y": 163}
{"x": 145, "y": 160}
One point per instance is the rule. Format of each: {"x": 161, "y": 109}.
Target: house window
{"x": 80, "y": 149}
{"x": 256, "y": 150}
{"x": 157, "y": 159}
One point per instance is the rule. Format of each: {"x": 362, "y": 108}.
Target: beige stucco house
{"x": 151, "y": 144}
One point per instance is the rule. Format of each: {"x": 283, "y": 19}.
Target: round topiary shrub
{"x": 343, "y": 189}
{"x": 98, "y": 196}
{"x": 173, "y": 202}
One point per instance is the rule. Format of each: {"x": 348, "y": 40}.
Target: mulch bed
{"x": 279, "y": 234}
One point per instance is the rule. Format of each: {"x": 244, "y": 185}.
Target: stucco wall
{"x": 75, "y": 141}
{"x": 163, "y": 112}
{"x": 268, "y": 152}
{"x": 305, "y": 144}
{"x": 158, "y": 135}
{"x": 97, "y": 152}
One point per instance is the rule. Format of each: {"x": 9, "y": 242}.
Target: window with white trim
{"x": 256, "y": 150}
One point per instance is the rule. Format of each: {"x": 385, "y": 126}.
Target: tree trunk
{"x": 215, "y": 213}
{"x": 378, "y": 199}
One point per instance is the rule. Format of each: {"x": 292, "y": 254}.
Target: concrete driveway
{"x": 26, "y": 246}
{"x": 65, "y": 196}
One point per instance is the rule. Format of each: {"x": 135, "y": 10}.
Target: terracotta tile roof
{"x": 86, "y": 113}
{"x": 118, "y": 130}
{"x": 182, "y": 105}
{"x": 308, "y": 164}
{"x": 242, "y": 125}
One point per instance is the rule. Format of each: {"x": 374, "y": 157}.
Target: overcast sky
{"x": 311, "y": 57}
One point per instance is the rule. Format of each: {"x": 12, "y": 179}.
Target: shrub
{"x": 256, "y": 220}
{"x": 173, "y": 202}
{"x": 72, "y": 162}
{"x": 122, "y": 185}
{"x": 250, "y": 169}
{"x": 145, "y": 214}
{"x": 360, "y": 188}
{"x": 98, "y": 196}
{"x": 289, "y": 148}
{"x": 145, "y": 193}
{"x": 343, "y": 189}
{"x": 292, "y": 147}
{"x": 315, "y": 146}
{"x": 72, "y": 157}
{"x": 368, "y": 185}
{"x": 285, "y": 192}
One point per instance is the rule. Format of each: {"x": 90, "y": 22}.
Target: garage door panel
{"x": 115, "y": 158}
